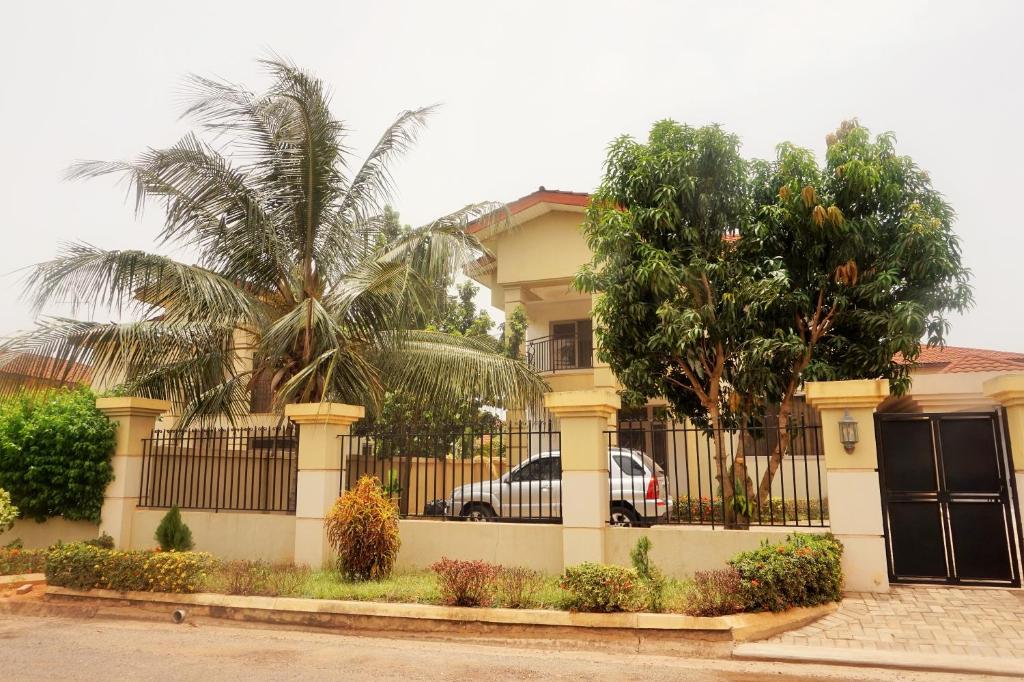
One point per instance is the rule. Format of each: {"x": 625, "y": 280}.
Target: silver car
{"x": 533, "y": 490}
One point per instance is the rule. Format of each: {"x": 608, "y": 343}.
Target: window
{"x": 572, "y": 344}
{"x": 629, "y": 466}
{"x": 543, "y": 469}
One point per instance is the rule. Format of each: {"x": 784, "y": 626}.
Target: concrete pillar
{"x": 319, "y": 479}
{"x": 854, "y": 493}
{"x": 1008, "y": 391}
{"x": 135, "y": 419}
{"x": 583, "y": 416}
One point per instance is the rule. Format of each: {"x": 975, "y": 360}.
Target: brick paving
{"x": 931, "y": 620}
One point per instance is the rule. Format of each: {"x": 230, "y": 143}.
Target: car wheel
{"x": 478, "y": 512}
{"x": 624, "y": 516}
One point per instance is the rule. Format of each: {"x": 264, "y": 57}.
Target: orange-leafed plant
{"x": 362, "y": 528}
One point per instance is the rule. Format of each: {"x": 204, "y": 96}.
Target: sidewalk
{"x": 924, "y": 628}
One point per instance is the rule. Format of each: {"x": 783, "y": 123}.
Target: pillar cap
{"x": 846, "y": 394}
{"x": 1007, "y": 389}
{"x": 338, "y": 414}
{"x": 129, "y": 406}
{"x": 594, "y": 402}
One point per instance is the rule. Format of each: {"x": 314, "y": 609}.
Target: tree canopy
{"x": 726, "y": 283}
{"x": 301, "y": 277}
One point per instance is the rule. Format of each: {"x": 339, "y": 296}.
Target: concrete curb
{"x": 642, "y": 632}
{"x": 901, "y": 660}
{"x": 22, "y": 579}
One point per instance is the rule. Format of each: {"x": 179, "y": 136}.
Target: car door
{"x": 551, "y": 489}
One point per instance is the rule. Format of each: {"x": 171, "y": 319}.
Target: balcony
{"x": 560, "y": 353}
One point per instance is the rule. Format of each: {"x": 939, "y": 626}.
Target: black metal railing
{"x": 669, "y": 472}
{"x": 506, "y": 472}
{"x": 238, "y": 469}
{"x": 560, "y": 353}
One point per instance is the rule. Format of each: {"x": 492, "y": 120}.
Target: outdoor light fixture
{"x": 848, "y": 432}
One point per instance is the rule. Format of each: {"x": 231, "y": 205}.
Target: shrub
{"x": 516, "y": 587}
{"x": 16, "y": 561}
{"x": 714, "y": 593}
{"x": 104, "y": 541}
{"x": 172, "y": 534}
{"x": 83, "y": 567}
{"x": 465, "y": 583}
{"x": 177, "y": 571}
{"x": 362, "y": 527}
{"x": 804, "y": 571}
{"x": 600, "y": 587}
{"x": 55, "y": 451}
{"x": 260, "y": 578}
{"x": 8, "y": 512}
{"x": 651, "y": 578}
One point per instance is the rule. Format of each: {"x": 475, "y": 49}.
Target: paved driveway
{"x": 925, "y": 628}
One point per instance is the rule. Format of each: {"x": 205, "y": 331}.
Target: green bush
{"x": 17, "y": 561}
{"x": 652, "y": 580}
{"x": 82, "y": 567}
{"x": 104, "y": 541}
{"x": 362, "y": 527}
{"x": 55, "y": 451}
{"x": 172, "y": 534}
{"x": 601, "y": 587}
{"x": 8, "y": 512}
{"x": 804, "y": 571}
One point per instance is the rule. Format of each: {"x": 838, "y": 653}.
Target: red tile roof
{"x": 28, "y": 367}
{"x": 951, "y": 359}
{"x": 542, "y": 195}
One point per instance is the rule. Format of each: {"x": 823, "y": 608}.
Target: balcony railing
{"x": 560, "y": 353}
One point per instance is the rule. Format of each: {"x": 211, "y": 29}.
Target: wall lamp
{"x": 848, "y": 432}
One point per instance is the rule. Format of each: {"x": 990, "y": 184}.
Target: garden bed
{"x": 635, "y": 632}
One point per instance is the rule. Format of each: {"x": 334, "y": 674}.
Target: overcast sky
{"x": 532, "y": 93}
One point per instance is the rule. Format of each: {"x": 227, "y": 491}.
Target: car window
{"x": 629, "y": 466}
{"x": 544, "y": 469}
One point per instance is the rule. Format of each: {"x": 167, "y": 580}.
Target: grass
{"x": 285, "y": 580}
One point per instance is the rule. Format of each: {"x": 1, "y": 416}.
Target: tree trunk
{"x": 781, "y": 448}
{"x": 725, "y": 481}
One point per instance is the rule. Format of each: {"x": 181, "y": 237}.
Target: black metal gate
{"x": 948, "y": 499}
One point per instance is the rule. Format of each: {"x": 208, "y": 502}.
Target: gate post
{"x": 1008, "y": 391}
{"x": 854, "y": 492}
{"x": 319, "y": 477}
{"x": 135, "y": 419}
{"x": 583, "y": 418}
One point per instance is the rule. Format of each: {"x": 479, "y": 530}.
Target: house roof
{"x": 28, "y": 366}
{"x": 541, "y": 196}
{"x": 954, "y": 359}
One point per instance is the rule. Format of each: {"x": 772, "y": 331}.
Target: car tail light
{"x": 653, "y": 489}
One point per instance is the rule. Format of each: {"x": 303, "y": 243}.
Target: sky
{"x": 531, "y": 93}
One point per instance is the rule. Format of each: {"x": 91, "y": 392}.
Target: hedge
{"x": 83, "y": 567}
{"x": 17, "y": 561}
{"x": 803, "y": 571}
{"x": 55, "y": 451}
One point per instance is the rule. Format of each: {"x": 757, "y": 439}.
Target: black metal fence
{"x": 238, "y": 469}
{"x": 508, "y": 472}
{"x": 669, "y": 472}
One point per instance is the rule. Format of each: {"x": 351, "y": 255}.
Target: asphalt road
{"x": 55, "y": 648}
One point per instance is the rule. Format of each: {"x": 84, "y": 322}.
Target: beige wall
{"x": 545, "y": 248}
{"x": 37, "y": 535}
{"x": 227, "y": 535}
{"x": 533, "y": 545}
{"x": 681, "y": 550}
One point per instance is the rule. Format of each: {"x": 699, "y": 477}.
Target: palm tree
{"x": 295, "y": 281}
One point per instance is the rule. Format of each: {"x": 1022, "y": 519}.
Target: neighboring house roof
{"x": 541, "y": 196}
{"x": 954, "y": 359}
{"x": 30, "y": 368}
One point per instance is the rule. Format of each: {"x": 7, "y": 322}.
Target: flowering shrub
{"x": 714, "y": 593}
{"x": 83, "y": 567}
{"x": 16, "y": 561}
{"x": 601, "y": 587}
{"x": 465, "y": 583}
{"x": 804, "y": 571}
{"x": 8, "y": 512}
{"x": 362, "y": 528}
